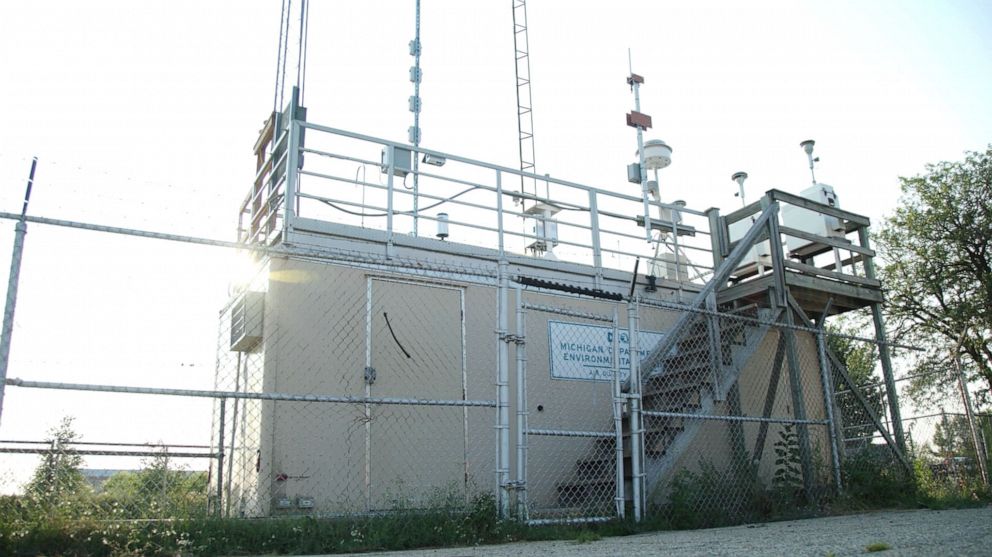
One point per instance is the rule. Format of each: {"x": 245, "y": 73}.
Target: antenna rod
{"x": 640, "y": 121}
{"x": 415, "y": 108}
{"x": 20, "y": 230}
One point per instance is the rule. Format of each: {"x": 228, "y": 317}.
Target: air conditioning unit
{"x": 246, "y": 321}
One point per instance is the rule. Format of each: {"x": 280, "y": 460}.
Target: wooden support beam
{"x": 826, "y": 241}
{"x": 854, "y": 220}
{"x": 773, "y": 381}
{"x": 843, "y": 277}
{"x": 743, "y": 212}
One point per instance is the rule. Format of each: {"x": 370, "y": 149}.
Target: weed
{"x": 586, "y": 536}
{"x": 877, "y": 546}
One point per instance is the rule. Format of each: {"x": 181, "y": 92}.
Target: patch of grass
{"x": 877, "y": 546}
{"x": 586, "y": 536}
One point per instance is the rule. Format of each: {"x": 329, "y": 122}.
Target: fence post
{"x": 636, "y": 447}
{"x": 522, "y": 411}
{"x": 970, "y": 414}
{"x": 20, "y": 230}
{"x": 618, "y": 414}
{"x": 220, "y": 458}
{"x": 716, "y": 352}
{"x": 828, "y": 403}
{"x": 503, "y": 394}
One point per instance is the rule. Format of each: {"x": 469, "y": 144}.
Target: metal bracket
{"x": 518, "y": 485}
{"x": 369, "y": 375}
{"x": 511, "y": 338}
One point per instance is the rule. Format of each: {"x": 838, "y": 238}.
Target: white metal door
{"x": 416, "y": 352}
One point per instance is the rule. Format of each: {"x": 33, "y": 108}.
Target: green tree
{"x": 937, "y": 271}
{"x": 159, "y": 490}
{"x": 57, "y": 478}
{"x": 952, "y": 438}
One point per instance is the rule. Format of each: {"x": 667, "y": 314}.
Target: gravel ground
{"x": 921, "y": 532}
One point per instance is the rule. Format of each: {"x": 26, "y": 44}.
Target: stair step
{"x": 699, "y": 354}
{"x": 685, "y": 371}
{"x": 676, "y": 407}
{"x": 730, "y": 335}
{"x": 655, "y": 441}
{"x": 654, "y": 428}
{"x": 676, "y": 390}
{"x": 592, "y": 468}
{"x": 583, "y": 492}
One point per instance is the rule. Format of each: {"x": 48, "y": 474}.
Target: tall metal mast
{"x": 525, "y": 114}
{"x": 414, "y": 130}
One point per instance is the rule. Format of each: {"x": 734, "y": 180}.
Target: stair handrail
{"x": 720, "y": 276}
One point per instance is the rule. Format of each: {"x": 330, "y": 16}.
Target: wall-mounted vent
{"x": 246, "y": 321}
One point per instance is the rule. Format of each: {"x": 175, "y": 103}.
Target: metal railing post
{"x": 597, "y": 249}
{"x": 499, "y": 213}
{"x": 292, "y": 174}
{"x": 391, "y": 153}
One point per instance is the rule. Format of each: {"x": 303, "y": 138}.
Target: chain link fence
{"x": 340, "y": 383}
{"x": 150, "y": 384}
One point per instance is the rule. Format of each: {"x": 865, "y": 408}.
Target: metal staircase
{"x": 701, "y": 358}
{"x": 672, "y": 400}
{"x": 696, "y": 381}
{"x": 692, "y": 375}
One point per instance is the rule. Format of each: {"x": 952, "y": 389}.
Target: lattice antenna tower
{"x": 525, "y": 113}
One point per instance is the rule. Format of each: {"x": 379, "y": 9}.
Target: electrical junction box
{"x": 401, "y": 161}
{"x": 284, "y": 503}
{"x": 811, "y": 221}
{"x": 246, "y": 321}
{"x": 304, "y": 502}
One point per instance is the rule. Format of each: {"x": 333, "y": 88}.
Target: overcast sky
{"x": 144, "y": 113}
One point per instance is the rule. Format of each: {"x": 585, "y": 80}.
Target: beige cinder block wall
{"x": 325, "y": 322}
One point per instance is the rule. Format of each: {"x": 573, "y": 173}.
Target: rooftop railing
{"x": 358, "y": 183}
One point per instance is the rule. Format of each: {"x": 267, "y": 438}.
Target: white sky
{"x": 143, "y": 114}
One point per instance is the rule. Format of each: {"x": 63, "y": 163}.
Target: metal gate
{"x": 569, "y": 411}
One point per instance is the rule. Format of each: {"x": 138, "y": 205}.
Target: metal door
{"x": 415, "y": 452}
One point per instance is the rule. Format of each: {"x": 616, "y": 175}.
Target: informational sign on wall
{"x": 585, "y": 352}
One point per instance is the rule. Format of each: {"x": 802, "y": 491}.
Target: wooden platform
{"x": 811, "y": 290}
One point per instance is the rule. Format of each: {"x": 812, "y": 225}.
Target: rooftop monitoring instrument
{"x": 442, "y": 226}
{"x": 739, "y": 177}
{"x": 808, "y": 147}
{"x": 759, "y": 256}
{"x": 813, "y": 222}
